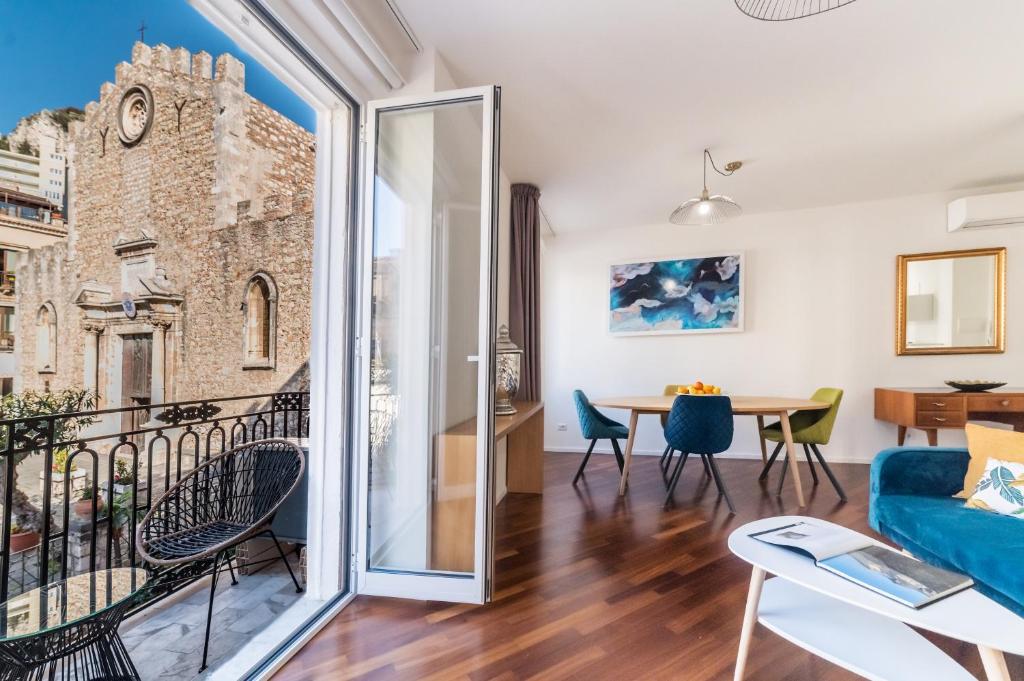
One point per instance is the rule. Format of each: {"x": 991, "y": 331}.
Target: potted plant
{"x": 29, "y": 405}
{"x": 83, "y": 507}
{"x": 59, "y": 470}
{"x": 124, "y": 477}
{"x": 23, "y": 536}
{"x": 121, "y": 510}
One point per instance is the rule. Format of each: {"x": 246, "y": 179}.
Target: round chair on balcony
{"x": 226, "y": 501}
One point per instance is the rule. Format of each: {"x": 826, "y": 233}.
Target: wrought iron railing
{"x": 87, "y": 522}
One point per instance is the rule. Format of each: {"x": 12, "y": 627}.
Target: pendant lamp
{"x": 787, "y": 10}
{"x": 708, "y": 209}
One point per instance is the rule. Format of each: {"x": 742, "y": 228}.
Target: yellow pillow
{"x": 983, "y": 443}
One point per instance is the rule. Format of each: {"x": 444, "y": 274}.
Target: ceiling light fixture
{"x": 787, "y": 10}
{"x": 708, "y": 209}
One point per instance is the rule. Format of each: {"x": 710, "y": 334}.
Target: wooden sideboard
{"x": 931, "y": 409}
{"x": 454, "y": 502}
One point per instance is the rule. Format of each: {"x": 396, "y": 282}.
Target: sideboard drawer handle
{"x": 939, "y": 404}
{"x": 1005, "y": 403}
{"x": 939, "y": 418}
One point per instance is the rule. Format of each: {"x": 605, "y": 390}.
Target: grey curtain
{"x": 524, "y": 289}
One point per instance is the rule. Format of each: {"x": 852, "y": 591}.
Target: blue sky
{"x": 82, "y": 41}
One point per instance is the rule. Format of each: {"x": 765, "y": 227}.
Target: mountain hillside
{"x": 46, "y": 122}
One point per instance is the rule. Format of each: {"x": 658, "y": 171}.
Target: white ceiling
{"x": 607, "y": 104}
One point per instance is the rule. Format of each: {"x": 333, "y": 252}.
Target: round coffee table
{"x": 861, "y": 630}
{"x": 70, "y": 628}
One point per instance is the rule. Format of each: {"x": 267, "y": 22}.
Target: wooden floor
{"x": 592, "y": 586}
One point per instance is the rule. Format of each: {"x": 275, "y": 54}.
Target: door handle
{"x": 938, "y": 404}
{"x": 940, "y": 419}
{"x": 472, "y": 358}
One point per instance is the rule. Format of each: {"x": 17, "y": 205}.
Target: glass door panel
{"x": 428, "y": 424}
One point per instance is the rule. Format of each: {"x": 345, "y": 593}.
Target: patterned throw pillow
{"x": 1000, "y": 489}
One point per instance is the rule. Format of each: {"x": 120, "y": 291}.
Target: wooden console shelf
{"x": 454, "y": 502}
{"x": 931, "y": 409}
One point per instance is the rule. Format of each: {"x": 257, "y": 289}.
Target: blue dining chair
{"x": 700, "y": 424}
{"x": 596, "y": 426}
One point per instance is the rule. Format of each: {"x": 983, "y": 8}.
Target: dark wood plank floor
{"x": 592, "y": 586}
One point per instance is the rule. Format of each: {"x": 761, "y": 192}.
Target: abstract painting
{"x": 689, "y": 295}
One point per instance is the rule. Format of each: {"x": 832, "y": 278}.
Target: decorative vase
{"x": 506, "y": 373}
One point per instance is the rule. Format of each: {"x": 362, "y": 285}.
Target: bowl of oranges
{"x": 699, "y": 388}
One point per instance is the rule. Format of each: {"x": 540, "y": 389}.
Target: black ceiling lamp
{"x": 787, "y": 10}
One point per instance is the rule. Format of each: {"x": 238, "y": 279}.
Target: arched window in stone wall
{"x": 259, "y": 314}
{"x": 46, "y": 339}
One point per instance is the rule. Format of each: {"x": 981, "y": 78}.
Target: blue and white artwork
{"x": 691, "y": 295}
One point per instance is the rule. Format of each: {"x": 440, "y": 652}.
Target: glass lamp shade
{"x": 706, "y": 210}
{"x": 787, "y": 10}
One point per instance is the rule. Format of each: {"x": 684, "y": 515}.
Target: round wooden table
{"x": 742, "y": 405}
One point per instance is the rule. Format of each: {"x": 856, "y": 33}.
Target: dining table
{"x": 742, "y": 405}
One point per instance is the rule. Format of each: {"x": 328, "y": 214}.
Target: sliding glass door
{"x": 427, "y": 346}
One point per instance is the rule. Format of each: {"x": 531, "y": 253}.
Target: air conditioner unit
{"x": 986, "y": 210}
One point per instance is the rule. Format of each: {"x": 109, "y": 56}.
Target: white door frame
{"x": 328, "y": 588}
{"x": 432, "y": 586}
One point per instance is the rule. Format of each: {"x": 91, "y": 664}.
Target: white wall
{"x": 820, "y": 311}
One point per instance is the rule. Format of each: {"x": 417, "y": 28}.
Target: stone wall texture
{"x": 223, "y": 185}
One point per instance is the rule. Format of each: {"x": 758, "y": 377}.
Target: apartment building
{"x": 44, "y": 175}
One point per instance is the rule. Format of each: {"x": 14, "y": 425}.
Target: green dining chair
{"x": 810, "y": 429}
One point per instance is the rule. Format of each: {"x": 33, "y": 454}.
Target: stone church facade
{"x": 187, "y": 271}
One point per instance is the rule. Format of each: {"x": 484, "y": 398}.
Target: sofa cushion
{"x": 984, "y": 443}
{"x": 941, "y": 531}
{"x": 1001, "y": 489}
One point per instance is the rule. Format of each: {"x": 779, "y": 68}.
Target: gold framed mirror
{"x": 953, "y": 302}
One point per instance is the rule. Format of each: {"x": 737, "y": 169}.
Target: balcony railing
{"x": 6, "y": 341}
{"x": 26, "y": 212}
{"x": 111, "y": 473}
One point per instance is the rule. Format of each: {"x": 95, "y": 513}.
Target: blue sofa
{"x": 912, "y": 504}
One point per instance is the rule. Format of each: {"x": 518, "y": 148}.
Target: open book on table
{"x": 860, "y": 560}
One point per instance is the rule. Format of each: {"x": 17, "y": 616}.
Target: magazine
{"x": 860, "y": 560}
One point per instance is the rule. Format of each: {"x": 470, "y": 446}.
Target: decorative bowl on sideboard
{"x": 975, "y": 386}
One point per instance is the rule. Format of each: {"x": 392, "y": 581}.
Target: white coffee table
{"x": 858, "y": 629}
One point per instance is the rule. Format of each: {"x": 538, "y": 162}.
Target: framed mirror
{"x": 951, "y": 303}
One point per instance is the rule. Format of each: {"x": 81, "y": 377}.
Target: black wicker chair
{"x": 228, "y": 500}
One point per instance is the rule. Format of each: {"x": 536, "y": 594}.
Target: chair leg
{"x": 583, "y": 464}
{"x": 707, "y": 469}
{"x": 828, "y": 472}
{"x": 720, "y": 483}
{"x": 618, "y": 455}
{"x": 675, "y": 476}
{"x": 782, "y": 478}
{"x": 771, "y": 460}
{"x": 665, "y": 470}
{"x": 298, "y": 589}
{"x": 209, "y": 610}
{"x": 231, "y": 569}
{"x": 666, "y": 460}
{"x": 810, "y": 462}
